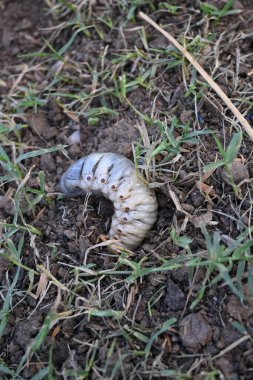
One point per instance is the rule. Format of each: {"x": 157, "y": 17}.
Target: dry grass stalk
{"x": 208, "y": 190}
{"x": 204, "y": 74}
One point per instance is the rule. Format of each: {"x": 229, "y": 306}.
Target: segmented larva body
{"x": 115, "y": 177}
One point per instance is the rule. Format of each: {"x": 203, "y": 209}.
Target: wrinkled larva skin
{"x": 115, "y": 177}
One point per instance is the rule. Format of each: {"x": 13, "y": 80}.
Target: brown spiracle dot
{"x": 113, "y": 187}
{"x": 88, "y": 178}
{"x": 125, "y": 219}
{"x": 102, "y": 180}
{"x": 119, "y": 230}
{"x": 121, "y": 196}
{"x": 127, "y": 209}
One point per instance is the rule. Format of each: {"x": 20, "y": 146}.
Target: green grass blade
{"x": 233, "y": 148}
{"x": 165, "y": 326}
{"x": 7, "y": 303}
{"x": 39, "y": 152}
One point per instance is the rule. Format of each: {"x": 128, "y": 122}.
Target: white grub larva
{"x": 115, "y": 177}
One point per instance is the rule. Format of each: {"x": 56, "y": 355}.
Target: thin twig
{"x": 232, "y": 346}
{"x": 204, "y": 74}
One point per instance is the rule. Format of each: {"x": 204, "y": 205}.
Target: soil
{"x": 203, "y": 339}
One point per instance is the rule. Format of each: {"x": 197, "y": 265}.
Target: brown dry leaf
{"x": 42, "y": 285}
{"x": 41, "y": 289}
{"x": 131, "y": 296}
{"x": 56, "y": 331}
{"x": 167, "y": 344}
{"x": 207, "y": 174}
{"x": 72, "y": 115}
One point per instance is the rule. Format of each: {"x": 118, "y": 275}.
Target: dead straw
{"x": 204, "y": 74}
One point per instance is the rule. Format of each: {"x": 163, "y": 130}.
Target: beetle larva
{"x": 115, "y": 177}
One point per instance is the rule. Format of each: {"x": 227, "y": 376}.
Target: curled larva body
{"x": 115, "y": 177}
